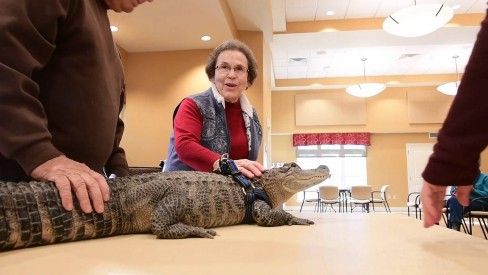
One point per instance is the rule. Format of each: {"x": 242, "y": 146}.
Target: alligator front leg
{"x": 166, "y": 221}
{"x": 181, "y": 231}
{"x": 265, "y": 216}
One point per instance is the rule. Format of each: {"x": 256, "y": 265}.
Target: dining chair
{"x": 413, "y": 201}
{"x": 360, "y": 195}
{"x": 481, "y": 215}
{"x": 329, "y": 195}
{"x": 380, "y": 197}
{"x": 313, "y": 198}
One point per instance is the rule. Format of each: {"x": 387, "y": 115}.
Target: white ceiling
{"x": 165, "y": 25}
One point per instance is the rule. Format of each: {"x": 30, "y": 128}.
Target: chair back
{"x": 383, "y": 190}
{"x": 329, "y": 192}
{"x": 310, "y": 195}
{"x": 361, "y": 192}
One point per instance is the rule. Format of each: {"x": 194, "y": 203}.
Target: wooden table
{"x": 337, "y": 244}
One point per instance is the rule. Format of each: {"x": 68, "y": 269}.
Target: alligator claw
{"x": 299, "y": 221}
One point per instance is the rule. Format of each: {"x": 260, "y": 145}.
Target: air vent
{"x": 408, "y": 55}
{"x": 433, "y": 135}
{"x": 298, "y": 60}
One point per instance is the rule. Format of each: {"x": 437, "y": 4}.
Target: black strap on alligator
{"x": 251, "y": 193}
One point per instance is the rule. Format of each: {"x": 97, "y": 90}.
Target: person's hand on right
{"x": 90, "y": 187}
{"x": 432, "y": 198}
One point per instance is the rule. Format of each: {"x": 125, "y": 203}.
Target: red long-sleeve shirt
{"x": 188, "y": 131}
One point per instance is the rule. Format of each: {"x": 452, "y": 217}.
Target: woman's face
{"x": 231, "y": 74}
{"x": 124, "y": 5}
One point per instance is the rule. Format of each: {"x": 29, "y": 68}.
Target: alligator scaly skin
{"x": 170, "y": 205}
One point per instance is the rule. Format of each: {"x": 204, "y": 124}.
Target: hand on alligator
{"x": 249, "y": 168}
{"x": 89, "y": 186}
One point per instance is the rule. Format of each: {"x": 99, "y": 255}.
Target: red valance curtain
{"x": 332, "y": 138}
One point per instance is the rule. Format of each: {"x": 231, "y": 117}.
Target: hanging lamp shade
{"x": 418, "y": 20}
{"x": 365, "y": 89}
{"x": 451, "y": 88}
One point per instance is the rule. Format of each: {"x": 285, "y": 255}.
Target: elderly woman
{"x": 220, "y": 120}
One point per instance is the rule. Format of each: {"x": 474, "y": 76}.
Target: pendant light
{"x": 418, "y": 20}
{"x": 451, "y": 88}
{"x": 365, "y": 89}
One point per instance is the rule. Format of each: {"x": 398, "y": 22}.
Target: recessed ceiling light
{"x": 206, "y": 38}
{"x": 114, "y": 28}
{"x": 329, "y": 13}
{"x": 455, "y": 7}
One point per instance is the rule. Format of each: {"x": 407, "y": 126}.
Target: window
{"x": 347, "y": 163}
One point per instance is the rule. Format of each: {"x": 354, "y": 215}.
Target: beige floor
{"x": 476, "y": 227}
{"x": 376, "y": 243}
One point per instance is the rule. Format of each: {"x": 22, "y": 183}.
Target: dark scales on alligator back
{"x": 170, "y": 205}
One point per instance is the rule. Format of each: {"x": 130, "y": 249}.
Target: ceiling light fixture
{"x": 418, "y": 20}
{"x": 206, "y": 38}
{"x": 365, "y": 89}
{"x": 451, "y": 87}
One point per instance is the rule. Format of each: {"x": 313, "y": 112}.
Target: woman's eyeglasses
{"x": 238, "y": 70}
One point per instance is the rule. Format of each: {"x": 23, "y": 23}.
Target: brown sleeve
{"x": 27, "y": 40}
{"x": 117, "y": 163}
{"x": 464, "y": 134}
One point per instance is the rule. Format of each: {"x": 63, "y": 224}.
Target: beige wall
{"x": 386, "y": 112}
{"x": 387, "y": 120}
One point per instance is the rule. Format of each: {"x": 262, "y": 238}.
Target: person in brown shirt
{"x": 61, "y": 92}
{"x": 464, "y": 135}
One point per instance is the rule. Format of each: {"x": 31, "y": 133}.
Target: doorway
{"x": 417, "y": 157}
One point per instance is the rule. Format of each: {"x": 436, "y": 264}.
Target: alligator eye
{"x": 294, "y": 165}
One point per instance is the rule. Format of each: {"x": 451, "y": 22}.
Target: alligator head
{"x": 280, "y": 184}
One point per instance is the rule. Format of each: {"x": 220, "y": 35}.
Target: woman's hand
{"x": 249, "y": 168}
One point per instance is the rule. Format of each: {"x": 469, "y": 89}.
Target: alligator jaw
{"x": 280, "y": 184}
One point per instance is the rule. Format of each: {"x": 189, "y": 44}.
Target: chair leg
{"x": 332, "y": 207}
{"x": 465, "y": 227}
{"x": 483, "y": 227}
{"x": 470, "y": 220}
{"x": 445, "y": 217}
{"x": 303, "y": 201}
{"x": 388, "y": 205}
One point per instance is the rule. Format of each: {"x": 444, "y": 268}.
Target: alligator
{"x": 171, "y": 205}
